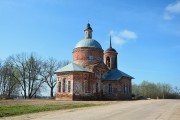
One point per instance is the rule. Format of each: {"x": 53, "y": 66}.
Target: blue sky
{"x": 146, "y": 34}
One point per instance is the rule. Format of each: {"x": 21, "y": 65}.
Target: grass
{"x": 6, "y": 111}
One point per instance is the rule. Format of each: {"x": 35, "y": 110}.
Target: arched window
{"x": 86, "y": 34}
{"x": 59, "y": 87}
{"x": 108, "y": 61}
{"x": 86, "y": 86}
{"x": 125, "y": 89}
{"x": 64, "y": 85}
{"x": 110, "y": 88}
{"x": 89, "y": 35}
{"x": 115, "y": 62}
{"x": 69, "y": 86}
{"x": 97, "y": 86}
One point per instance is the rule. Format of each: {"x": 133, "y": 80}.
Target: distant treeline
{"x": 156, "y": 90}
{"x": 26, "y": 75}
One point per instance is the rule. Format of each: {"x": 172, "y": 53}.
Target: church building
{"x": 93, "y": 75}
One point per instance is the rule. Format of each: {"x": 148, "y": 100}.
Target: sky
{"x": 145, "y": 33}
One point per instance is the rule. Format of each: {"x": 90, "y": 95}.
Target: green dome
{"x": 88, "y": 43}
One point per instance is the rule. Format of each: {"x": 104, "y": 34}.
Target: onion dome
{"x": 110, "y": 49}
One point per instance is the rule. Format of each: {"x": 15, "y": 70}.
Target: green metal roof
{"x": 88, "y": 43}
{"x": 116, "y": 74}
{"x": 72, "y": 67}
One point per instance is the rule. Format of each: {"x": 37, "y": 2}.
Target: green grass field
{"x": 13, "y": 110}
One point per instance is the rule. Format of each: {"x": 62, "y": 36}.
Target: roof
{"x": 88, "y": 43}
{"x": 116, "y": 74}
{"x": 111, "y": 50}
{"x": 88, "y": 27}
{"x": 72, "y": 67}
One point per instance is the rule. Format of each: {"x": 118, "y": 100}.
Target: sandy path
{"x": 122, "y": 110}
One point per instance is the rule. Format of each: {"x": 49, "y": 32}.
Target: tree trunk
{"x": 52, "y": 92}
{"x": 25, "y": 96}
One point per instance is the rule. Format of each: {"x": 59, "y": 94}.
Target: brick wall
{"x": 66, "y": 93}
{"x": 81, "y": 55}
{"x": 118, "y": 89}
{"x": 84, "y": 87}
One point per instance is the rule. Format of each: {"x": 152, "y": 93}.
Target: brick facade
{"x": 91, "y": 86}
{"x": 83, "y": 56}
{"x": 121, "y": 89}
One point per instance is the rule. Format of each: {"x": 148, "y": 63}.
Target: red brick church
{"x": 93, "y": 75}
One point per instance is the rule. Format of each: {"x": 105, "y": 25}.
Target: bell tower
{"x": 110, "y": 57}
{"x": 88, "y": 32}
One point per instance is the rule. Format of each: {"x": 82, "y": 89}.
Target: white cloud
{"x": 174, "y": 8}
{"x": 171, "y": 10}
{"x": 117, "y": 40}
{"x": 122, "y": 37}
{"x": 128, "y": 34}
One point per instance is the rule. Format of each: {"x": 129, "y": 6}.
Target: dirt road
{"x": 122, "y": 110}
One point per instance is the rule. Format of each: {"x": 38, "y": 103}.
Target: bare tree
{"x": 49, "y": 67}
{"x": 8, "y": 84}
{"x": 19, "y": 62}
{"x": 27, "y": 73}
{"x": 1, "y": 79}
{"x": 0, "y": 76}
{"x": 34, "y": 80}
{"x": 177, "y": 92}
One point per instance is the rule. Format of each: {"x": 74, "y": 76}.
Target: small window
{"x": 125, "y": 89}
{"x": 89, "y": 35}
{"x": 97, "y": 90}
{"x": 59, "y": 87}
{"x": 108, "y": 61}
{"x": 86, "y": 86}
{"x": 69, "y": 86}
{"x": 91, "y": 57}
{"x": 64, "y": 85}
{"x": 110, "y": 88}
{"x": 86, "y": 34}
